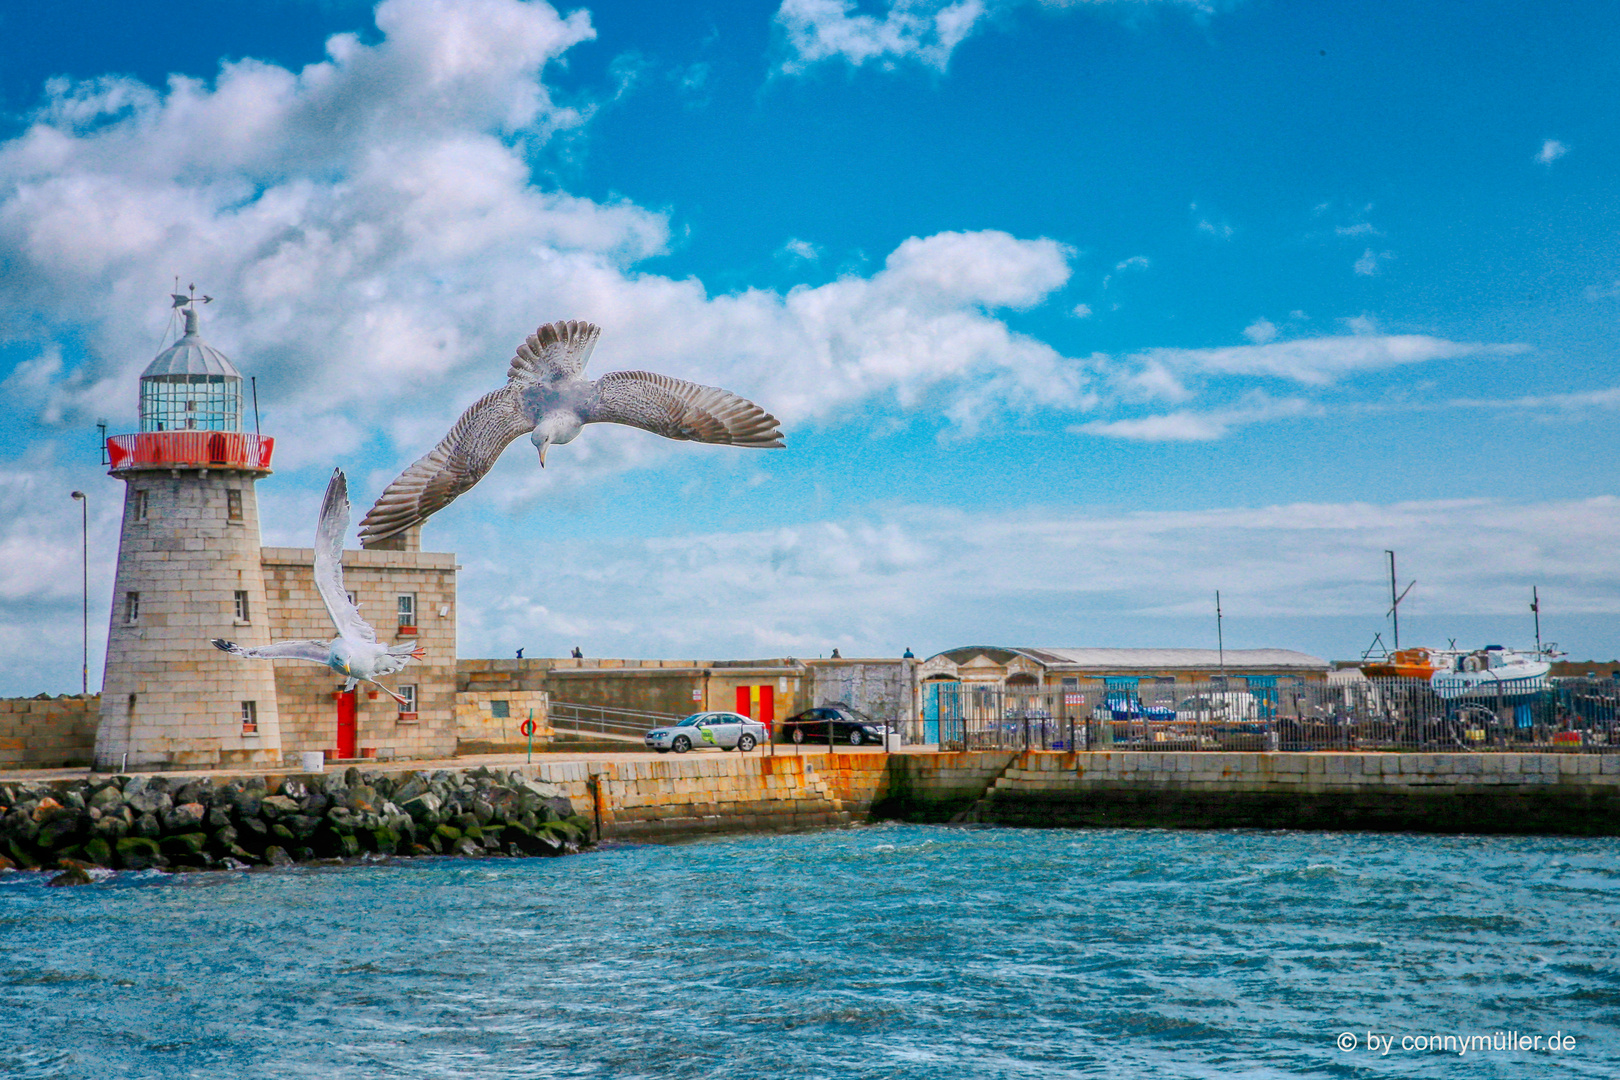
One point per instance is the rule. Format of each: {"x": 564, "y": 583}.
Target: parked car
{"x": 844, "y": 724}
{"x": 725, "y": 730}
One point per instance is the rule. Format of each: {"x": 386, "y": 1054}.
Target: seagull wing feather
{"x": 677, "y": 409}
{"x": 459, "y": 461}
{"x": 553, "y": 353}
{"x": 334, "y": 522}
{"x": 316, "y": 652}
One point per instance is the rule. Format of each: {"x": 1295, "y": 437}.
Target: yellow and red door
{"x": 758, "y": 703}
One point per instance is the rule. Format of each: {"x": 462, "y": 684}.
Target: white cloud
{"x": 1081, "y": 311}
{"x": 1358, "y": 229}
{"x": 1318, "y": 361}
{"x": 1551, "y": 151}
{"x": 1580, "y": 400}
{"x": 1261, "y": 331}
{"x": 925, "y": 32}
{"x": 801, "y": 250}
{"x": 1192, "y": 426}
{"x": 1367, "y": 265}
{"x": 378, "y": 245}
{"x": 935, "y": 578}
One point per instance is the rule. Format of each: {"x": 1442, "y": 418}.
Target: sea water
{"x": 883, "y": 951}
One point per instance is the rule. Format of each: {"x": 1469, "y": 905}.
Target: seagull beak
{"x": 543, "y": 454}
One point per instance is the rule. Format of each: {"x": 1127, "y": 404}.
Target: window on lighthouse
{"x": 407, "y": 611}
{"x": 132, "y": 607}
{"x": 233, "y": 504}
{"x": 241, "y": 605}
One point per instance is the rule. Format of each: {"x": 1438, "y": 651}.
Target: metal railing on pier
{"x": 572, "y": 718}
{"x": 1564, "y": 715}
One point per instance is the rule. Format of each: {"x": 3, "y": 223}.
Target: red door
{"x": 745, "y": 700}
{"x": 345, "y": 726}
{"x": 767, "y": 706}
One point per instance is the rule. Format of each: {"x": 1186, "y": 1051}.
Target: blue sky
{"x": 1073, "y": 312}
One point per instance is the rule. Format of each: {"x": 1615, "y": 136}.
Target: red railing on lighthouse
{"x": 190, "y": 450}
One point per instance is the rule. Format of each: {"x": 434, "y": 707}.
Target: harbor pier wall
{"x": 1505, "y": 793}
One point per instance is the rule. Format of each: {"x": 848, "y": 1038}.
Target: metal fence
{"x": 1566, "y": 715}
{"x": 599, "y": 719}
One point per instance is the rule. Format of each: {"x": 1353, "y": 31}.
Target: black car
{"x": 843, "y": 724}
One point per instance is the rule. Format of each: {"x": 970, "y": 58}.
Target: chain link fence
{"x": 1565, "y": 715}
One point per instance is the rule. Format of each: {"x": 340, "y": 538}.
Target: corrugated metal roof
{"x": 1155, "y": 659}
{"x": 191, "y": 355}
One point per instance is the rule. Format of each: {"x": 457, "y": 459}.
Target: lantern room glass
{"x": 191, "y": 403}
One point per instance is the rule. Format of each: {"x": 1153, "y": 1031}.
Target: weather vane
{"x": 181, "y": 299}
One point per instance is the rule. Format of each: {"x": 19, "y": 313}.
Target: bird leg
{"x": 387, "y": 691}
{"x": 419, "y": 654}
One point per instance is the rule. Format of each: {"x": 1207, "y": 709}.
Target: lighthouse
{"x": 189, "y": 570}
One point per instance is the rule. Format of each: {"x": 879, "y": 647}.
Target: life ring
{"x": 527, "y": 728}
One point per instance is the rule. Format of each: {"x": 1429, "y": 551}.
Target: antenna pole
{"x": 253, "y": 383}
{"x": 1394, "y": 600}
{"x": 1535, "y": 606}
{"x": 1220, "y": 637}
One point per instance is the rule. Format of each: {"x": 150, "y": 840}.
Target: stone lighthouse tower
{"x": 188, "y": 570}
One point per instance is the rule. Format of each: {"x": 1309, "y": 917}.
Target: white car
{"x": 726, "y": 730}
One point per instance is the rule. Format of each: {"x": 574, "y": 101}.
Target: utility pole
{"x": 1220, "y": 638}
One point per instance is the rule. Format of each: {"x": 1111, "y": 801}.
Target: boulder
{"x": 45, "y": 809}
{"x": 148, "y": 801}
{"x": 219, "y": 817}
{"x": 467, "y": 848}
{"x": 423, "y": 807}
{"x": 385, "y": 840}
{"x": 275, "y": 807}
{"x": 185, "y": 845}
{"x": 75, "y": 874}
{"x": 343, "y": 821}
{"x": 98, "y": 851}
{"x": 303, "y": 826}
{"x": 363, "y": 798}
{"x": 147, "y": 825}
{"x": 62, "y": 829}
{"x": 136, "y": 852}
{"x": 183, "y": 818}
{"x": 275, "y": 856}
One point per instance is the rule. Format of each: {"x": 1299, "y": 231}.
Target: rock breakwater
{"x": 142, "y": 822}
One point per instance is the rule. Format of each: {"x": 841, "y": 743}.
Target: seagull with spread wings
{"x": 355, "y": 653}
{"x": 547, "y": 397}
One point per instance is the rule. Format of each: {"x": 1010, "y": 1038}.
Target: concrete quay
{"x": 642, "y": 796}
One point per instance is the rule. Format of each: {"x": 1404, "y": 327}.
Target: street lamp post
{"x": 84, "y": 522}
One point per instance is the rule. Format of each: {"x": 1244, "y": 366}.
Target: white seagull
{"x": 546, "y": 394}
{"x": 355, "y": 653}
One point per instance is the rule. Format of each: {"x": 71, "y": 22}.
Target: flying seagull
{"x": 547, "y": 398}
{"x": 355, "y": 652}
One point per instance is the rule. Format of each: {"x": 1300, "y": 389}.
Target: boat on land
{"x": 1493, "y": 672}
{"x": 1417, "y": 663}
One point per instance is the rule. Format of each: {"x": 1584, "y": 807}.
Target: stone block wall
{"x": 40, "y": 733}
{"x": 377, "y": 578}
{"x": 1570, "y": 794}
{"x": 883, "y": 688}
{"x": 480, "y": 731}
{"x": 698, "y": 793}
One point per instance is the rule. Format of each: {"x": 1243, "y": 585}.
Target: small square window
{"x": 233, "y": 504}
{"x": 140, "y": 506}
{"x": 250, "y": 718}
{"x": 408, "y": 692}
{"x": 500, "y": 710}
{"x": 1071, "y": 682}
{"x": 132, "y": 607}
{"x": 407, "y": 611}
